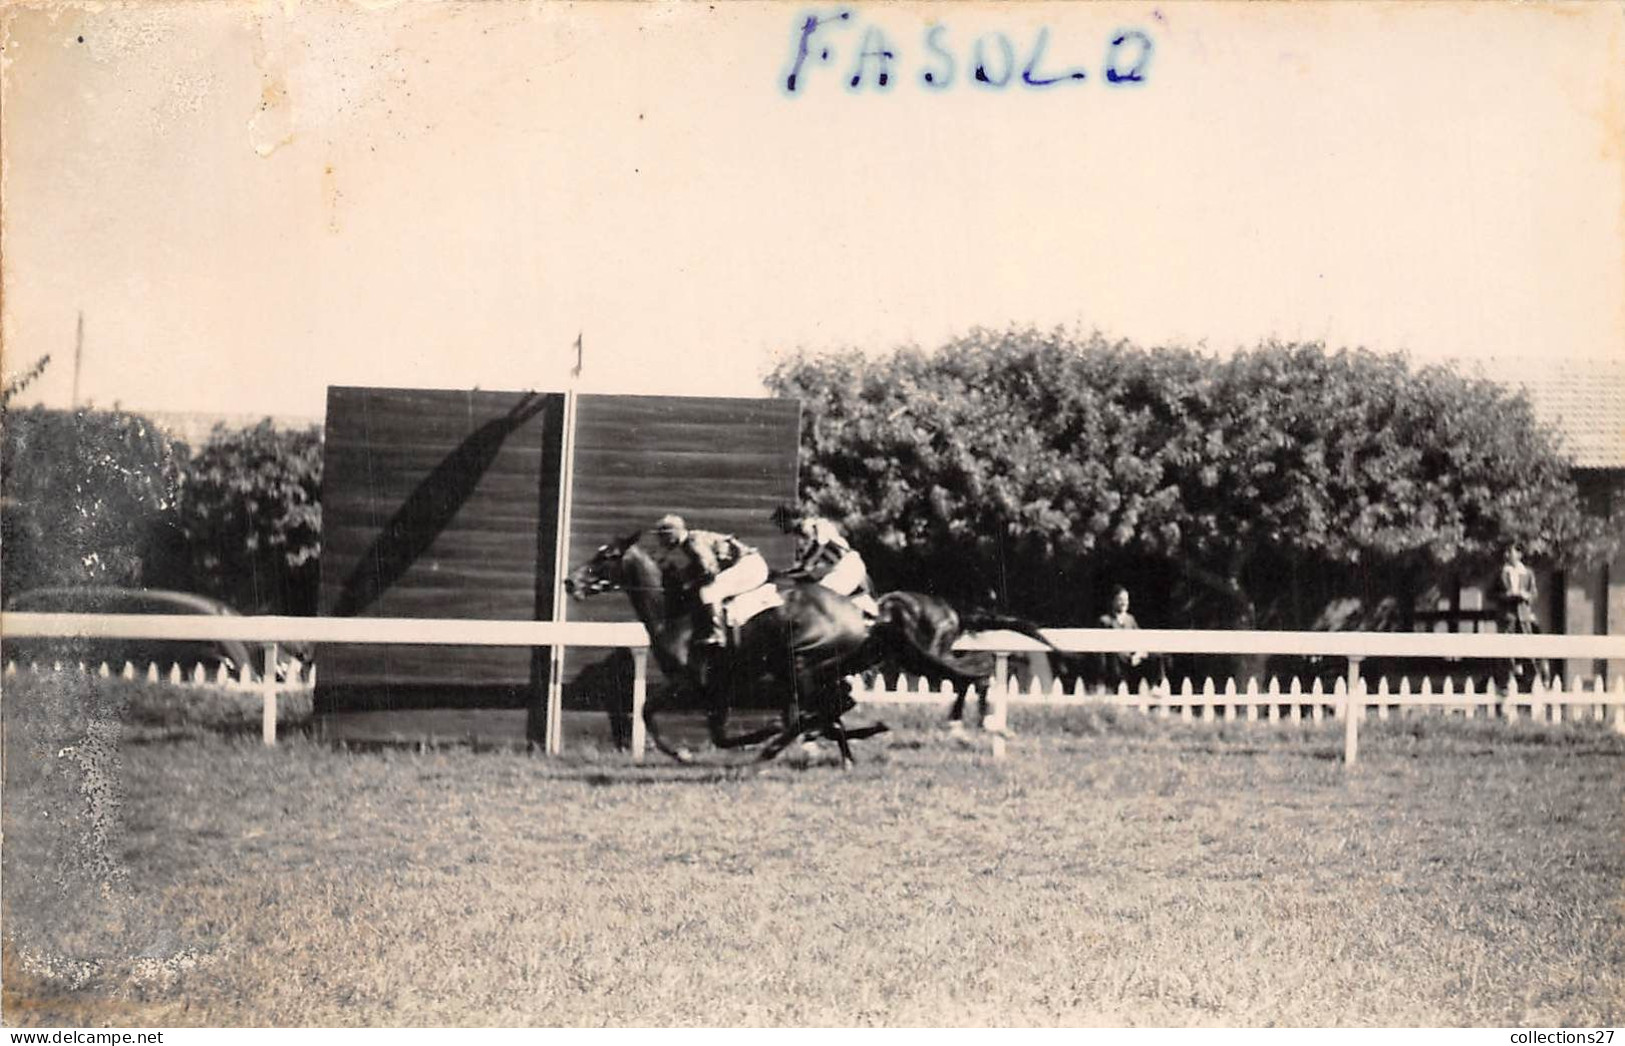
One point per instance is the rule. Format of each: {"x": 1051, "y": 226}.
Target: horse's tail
{"x": 987, "y": 621}
{"x": 1062, "y": 661}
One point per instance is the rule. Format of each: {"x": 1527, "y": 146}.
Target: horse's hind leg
{"x": 956, "y": 714}
{"x": 837, "y": 731}
{"x": 779, "y": 743}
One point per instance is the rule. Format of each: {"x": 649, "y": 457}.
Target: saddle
{"x": 747, "y": 606}
{"x": 863, "y": 598}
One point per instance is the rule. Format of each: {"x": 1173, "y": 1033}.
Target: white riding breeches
{"x": 866, "y": 604}
{"x": 748, "y": 573}
{"x": 847, "y": 576}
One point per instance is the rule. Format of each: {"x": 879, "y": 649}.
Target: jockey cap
{"x": 785, "y": 517}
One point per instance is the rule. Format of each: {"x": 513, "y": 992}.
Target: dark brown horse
{"x": 802, "y": 651}
{"x": 806, "y": 648}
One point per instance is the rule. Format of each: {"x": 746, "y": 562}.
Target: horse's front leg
{"x": 716, "y": 722}
{"x": 790, "y": 724}
{"x": 681, "y": 754}
{"x": 720, "y": 684}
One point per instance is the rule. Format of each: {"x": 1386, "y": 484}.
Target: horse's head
{"x": 604, "y": 572}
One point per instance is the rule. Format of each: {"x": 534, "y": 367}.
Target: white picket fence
{"x": 1274, "y": 702}
{"x": 1271, "y": 702}
{"x": 302, "y": 677}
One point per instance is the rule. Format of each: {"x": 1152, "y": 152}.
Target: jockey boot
{"x": 710, "y": 624}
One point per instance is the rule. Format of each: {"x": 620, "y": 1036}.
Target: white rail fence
{"x": 271, "y": 632}
{"x": 1269, "y": 702}
{"x": 1249, "y": 701}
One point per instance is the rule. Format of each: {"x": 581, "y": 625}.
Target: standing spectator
{"x": 1119, "y": 668}
{"x": 1515, "y": 592}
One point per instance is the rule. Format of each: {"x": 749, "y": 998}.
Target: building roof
{"x": 1584, "y": 400}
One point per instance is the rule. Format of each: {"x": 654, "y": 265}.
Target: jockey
{"x": 823, "y": 555}
{"x": 715, "y": 566}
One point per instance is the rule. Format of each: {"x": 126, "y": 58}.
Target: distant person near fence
{"x": 1119, "y": 668}
{"x": 1515, "y": 593}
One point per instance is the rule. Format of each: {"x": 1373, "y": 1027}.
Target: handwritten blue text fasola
{"x": 866, "y": 57}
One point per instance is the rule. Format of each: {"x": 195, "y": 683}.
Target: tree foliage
{"x": 90, "y": 497}
{"x": 1250, "y": 488}
{"x": 106, "y": 497}
{"x": 253, "y": 518}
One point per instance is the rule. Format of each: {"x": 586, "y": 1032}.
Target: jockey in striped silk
{"x": 824, "y": 555}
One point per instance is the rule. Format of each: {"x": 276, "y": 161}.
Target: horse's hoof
{"x": 846, "y": 765}
{"x": 998, "y": 730}
{"x": 684, "y": 756}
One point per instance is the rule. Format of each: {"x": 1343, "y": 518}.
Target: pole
{"x": 1001, "y": 701}
{"x": 1353, "y": 712}
{"x": 78, "y": 357}
{"x": 553, "y": 734}
{"x": 268, "y": 696}
{"x": 640, "y": 685}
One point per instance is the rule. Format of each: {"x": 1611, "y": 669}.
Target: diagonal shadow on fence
{"x": 433, "y": 504}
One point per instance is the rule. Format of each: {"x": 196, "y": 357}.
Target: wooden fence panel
{"x": 443, "y": 504}
{"x": 436, "y": 504}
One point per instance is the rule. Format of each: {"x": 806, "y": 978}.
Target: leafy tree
{"x": 253, "y": 518}
{"x": 105, "y": 497}
{"x": 89, "y": 497}
{"x": 1248, "y": 491}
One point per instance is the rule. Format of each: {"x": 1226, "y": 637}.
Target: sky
{"x": 249, "y": 202}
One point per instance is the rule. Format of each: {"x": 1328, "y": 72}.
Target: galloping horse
{"x": 807, "y": 648}
{"x": 804, "y": 648}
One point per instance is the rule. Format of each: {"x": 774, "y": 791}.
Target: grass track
{"x": 1105, "y": 873}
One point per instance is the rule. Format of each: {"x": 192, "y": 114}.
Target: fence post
{"x": 1001, "y": 701}
{"x": 552, "y": 727}
{"x": 1353, "y": 712}
{"x": 640, "y": 684}
{"x": 268, "y": 695}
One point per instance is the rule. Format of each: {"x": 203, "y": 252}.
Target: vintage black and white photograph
{"x": 812, "y": 515}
